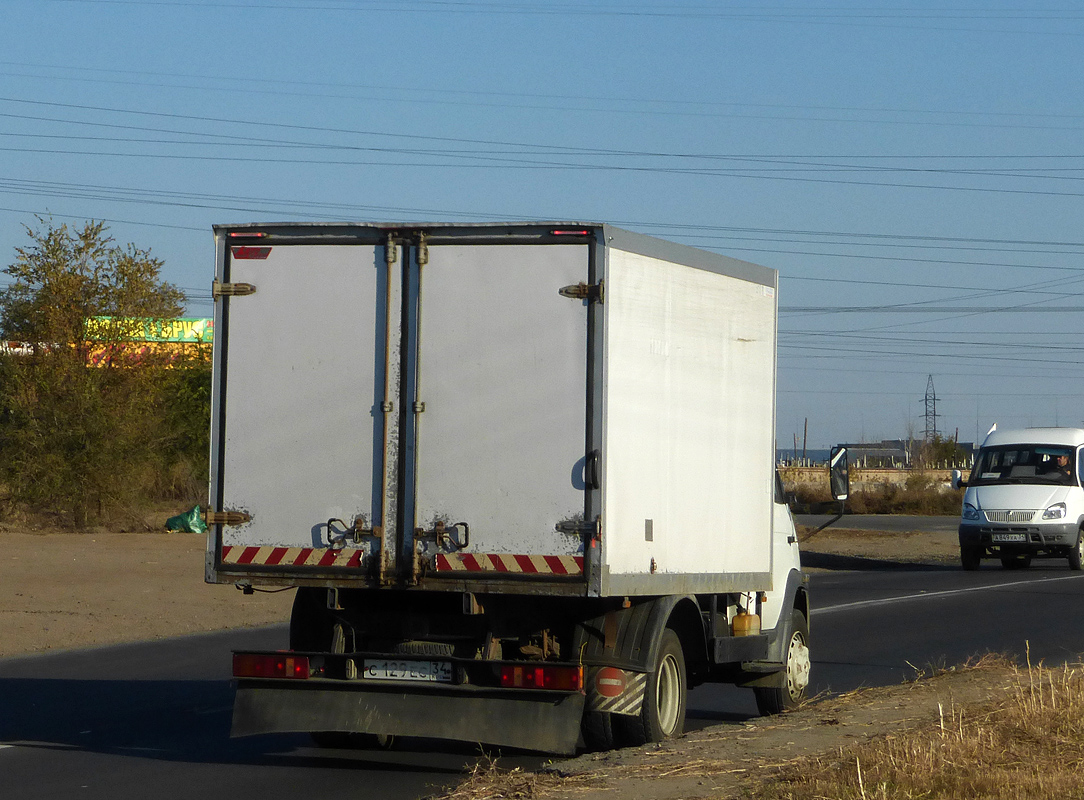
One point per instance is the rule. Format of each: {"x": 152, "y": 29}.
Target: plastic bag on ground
{"x": 190, "y": 521}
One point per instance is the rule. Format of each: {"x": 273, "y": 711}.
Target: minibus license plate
{"x": 1008, "y": 537}
{"x": 395, "y": 670}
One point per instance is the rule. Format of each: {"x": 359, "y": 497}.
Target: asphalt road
{"x": 152, "y": 719}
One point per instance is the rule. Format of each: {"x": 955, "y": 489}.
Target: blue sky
{"x": 913, "y": 172}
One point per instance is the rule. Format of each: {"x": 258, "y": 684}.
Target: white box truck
{"x": 521, "y": 476}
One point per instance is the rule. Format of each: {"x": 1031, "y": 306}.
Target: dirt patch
{"x": 841, "y": 548}
{"x": 65, "y": 590}
{"x": 61, "y": 590}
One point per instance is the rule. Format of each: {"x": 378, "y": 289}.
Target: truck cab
{"x": 1024, "y": 499}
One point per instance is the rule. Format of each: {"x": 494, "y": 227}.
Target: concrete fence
{"x": 860, "y": 477}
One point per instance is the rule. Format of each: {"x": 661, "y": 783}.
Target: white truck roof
{"x": 1072, "y": 437}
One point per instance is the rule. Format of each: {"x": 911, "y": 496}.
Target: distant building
{"x": 894, "y": 453}
{"x": 886, "y": 453}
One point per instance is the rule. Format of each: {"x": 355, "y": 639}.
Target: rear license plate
{"x": 395, "y": 670}
{"x": 1008, "y": 537}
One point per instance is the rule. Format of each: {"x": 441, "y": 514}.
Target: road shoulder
{"x": 722, "y": 761}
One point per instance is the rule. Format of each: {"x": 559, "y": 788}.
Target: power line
{"x": 801, "y": 161}
{"x": 104, "y": 191}
{"x": 865, "y": 16}
{"x": 404, "y": 93}
{"x": 1009, "y": 359}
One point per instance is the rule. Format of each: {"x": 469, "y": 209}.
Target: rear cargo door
{"x": 300, "y": 397}
{"x": 500, "y": 390}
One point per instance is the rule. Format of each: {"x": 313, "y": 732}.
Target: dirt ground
{"x": 719, "y": 762}
{"x": 63, "y": 590}
{"x": 838, "y": 548}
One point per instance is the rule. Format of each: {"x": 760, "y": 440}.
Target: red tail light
{"x": 542, "y": 676}
{"x": 275, "y": 665}
{"x": 571, "y": 233}
{"x": 247, "y": 234}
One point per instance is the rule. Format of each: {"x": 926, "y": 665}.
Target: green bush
{"x": 88, "y": 430}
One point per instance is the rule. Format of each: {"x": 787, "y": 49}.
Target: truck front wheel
{"x": 970, "y": 556}
{"x": 1076, "y": 555}
{"x": 794, "y": 678}
{"x": 663, "y": 713}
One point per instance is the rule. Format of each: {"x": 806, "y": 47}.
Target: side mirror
{"x": 838, "y": 475}
{"x": 958, "y": 481}
{"x": 839, "y": 482}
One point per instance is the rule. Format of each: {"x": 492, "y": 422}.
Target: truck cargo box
{"x": 555, "y": 408}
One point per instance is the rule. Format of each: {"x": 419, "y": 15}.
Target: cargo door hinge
{"x": 423, "y": 249}
{"x": 591, "y": 292}
{"x": 220, "y": 289}
{"x": 228, "y": 518}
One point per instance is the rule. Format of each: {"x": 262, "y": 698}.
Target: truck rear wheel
{"x": 794, "y": 678}
{"x": 310, "y": 623}
{"x": 598, "y": 733}
{"x": 663, "y": 713}
{"x": 314, "y": 629}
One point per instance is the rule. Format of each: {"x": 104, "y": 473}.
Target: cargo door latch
{"x": 591, "y": 292}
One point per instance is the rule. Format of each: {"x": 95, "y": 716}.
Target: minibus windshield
{"x": 1024, "y": 463}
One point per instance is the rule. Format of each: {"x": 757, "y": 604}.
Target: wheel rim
{"x": 1080, "y": 547}
{"x": 798, "y": 666}
{"x": 668, "y": 694}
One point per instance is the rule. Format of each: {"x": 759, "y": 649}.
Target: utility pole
{"x": 931, "y": 412}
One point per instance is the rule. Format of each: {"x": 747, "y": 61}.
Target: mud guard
{"x": 619, "y": 648}
{"x": 628, "y": 638}
{"x": 534, "y": 720}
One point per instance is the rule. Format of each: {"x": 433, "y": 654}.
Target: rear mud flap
{"x": 531, "y": 720}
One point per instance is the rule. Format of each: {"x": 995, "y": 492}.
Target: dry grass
{"x": 1026, "y": 742}
{"x": 486, "y": 781}
{"x": 920, "y": 494}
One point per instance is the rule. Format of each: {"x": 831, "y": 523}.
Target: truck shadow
{"x": 179, "y": 721}
{"x": 833, "y": 561}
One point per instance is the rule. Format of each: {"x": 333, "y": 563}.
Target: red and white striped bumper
{"x": 292, "y": 557}
{"x": 513, "y": 564}
{"x": 352, "y": 558}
